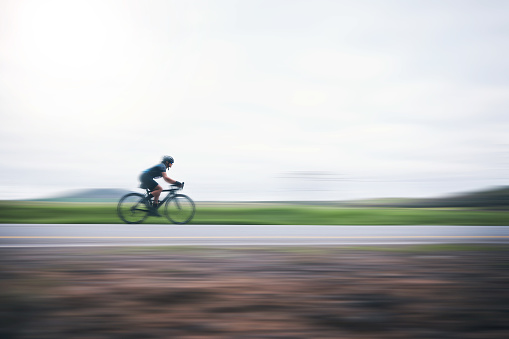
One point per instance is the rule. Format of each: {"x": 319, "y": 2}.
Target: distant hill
{"x": 89, "y": 195}
{"x": 496, "y": 197}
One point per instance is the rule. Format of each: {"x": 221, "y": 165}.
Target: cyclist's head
{"x": 167, "y": 160}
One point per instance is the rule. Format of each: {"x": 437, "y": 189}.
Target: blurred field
{"x": 434, "y": 291}
{"x": 257, "y": 214}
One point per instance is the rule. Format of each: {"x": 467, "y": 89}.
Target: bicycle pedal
{"x": 154, "y": 214}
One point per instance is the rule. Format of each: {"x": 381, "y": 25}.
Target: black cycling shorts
{"x": 148, "y": 182}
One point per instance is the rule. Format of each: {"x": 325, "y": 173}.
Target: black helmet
{"x": 168, "y": 158}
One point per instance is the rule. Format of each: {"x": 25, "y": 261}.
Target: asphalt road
{"x": 57, "y": 235}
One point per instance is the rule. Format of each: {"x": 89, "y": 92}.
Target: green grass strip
{"x": 94, "y": 213}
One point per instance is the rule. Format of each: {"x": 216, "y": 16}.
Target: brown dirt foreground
{"x": 176, "y": 292}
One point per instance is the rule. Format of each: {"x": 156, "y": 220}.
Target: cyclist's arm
{"x": 167, "y": 178}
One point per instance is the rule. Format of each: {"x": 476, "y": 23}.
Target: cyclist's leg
{"x": 154, "y": 188}
{"x": 156, "y": 192}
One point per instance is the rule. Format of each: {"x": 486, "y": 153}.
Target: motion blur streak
{"x": 437, "y": 291}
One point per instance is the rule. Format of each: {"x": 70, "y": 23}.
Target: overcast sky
{"x": 255, "y": 100}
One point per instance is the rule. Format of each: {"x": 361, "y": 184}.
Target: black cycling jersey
{"x": 155, "y": 171}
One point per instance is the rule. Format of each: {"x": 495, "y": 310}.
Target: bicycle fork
{"x": 177, "y": 203}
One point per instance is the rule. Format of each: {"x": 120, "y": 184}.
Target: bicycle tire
{"x": 132, "y": 209}
{"x": 179, "y": 209}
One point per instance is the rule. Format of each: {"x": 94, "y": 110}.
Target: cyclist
{"x": 154, "y": 172}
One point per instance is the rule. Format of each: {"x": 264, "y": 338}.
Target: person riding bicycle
{"x": 154, "y": 172}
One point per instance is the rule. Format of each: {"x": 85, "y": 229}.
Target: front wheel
{"x": 132, "y": 209}
{"x": 179, "y": 209}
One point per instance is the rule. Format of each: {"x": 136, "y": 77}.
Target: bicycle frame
{"x": 172, "y": 192}
{"x": 134, "y": 208}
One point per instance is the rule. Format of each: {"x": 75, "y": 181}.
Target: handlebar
{"x": 176, "y": 186}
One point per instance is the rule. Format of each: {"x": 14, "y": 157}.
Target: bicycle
{"x": 134, "y": 208}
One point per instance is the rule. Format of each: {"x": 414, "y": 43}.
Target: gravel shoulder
{"x": 438, "y": 291}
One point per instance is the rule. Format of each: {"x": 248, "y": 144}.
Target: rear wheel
{"x": 132, "y": 209}
{"x": 179, "y": 209}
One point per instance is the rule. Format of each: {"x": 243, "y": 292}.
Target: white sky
{"x": 255, "y": 100}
